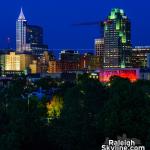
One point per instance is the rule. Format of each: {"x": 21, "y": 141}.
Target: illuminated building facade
{"x": 130, "y": 73}
{"x": 117, "y": 40}
{"x": 35, "y": 67}
{"x": 140, "y": 56}
{"x": 41, "y": 64}
{"x": 44, "y": 61}
{"x": 52, "y": 67}
{"x": 29, "y": 37}
{"x": 17, "y": 62}
{"x": 99, "y": 47}
{"x": 21, "y": 33}
{"x": 62, "y": 66}
{"x": 12, "y": 62}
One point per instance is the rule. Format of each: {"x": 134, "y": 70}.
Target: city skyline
{"x": 59, "y": 32}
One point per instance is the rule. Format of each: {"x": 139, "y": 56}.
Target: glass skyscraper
{"x": 21, "y": 24}
{"x": 34, "y": 38}
{"x": 34, "y": 34}
{"x": 117, "y": 40}
{"x": 29, "y": 37}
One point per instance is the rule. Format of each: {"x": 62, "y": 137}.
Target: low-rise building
{"x": 16, "y": 62}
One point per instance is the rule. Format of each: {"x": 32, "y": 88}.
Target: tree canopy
{"x": 82, "y": 114}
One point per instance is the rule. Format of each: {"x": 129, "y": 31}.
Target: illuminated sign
{"x": 106, "y": 74}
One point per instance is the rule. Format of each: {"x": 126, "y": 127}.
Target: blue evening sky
{"x": 57, "y": 17}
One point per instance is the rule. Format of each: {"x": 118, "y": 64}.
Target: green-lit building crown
{"x": 117, "y": 39}
{"x": 115, "y": 13}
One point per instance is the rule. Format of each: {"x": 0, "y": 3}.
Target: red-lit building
{"x": 132, "y": 74}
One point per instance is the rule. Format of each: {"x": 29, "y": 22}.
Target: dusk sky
{"x": 57, "y": 17}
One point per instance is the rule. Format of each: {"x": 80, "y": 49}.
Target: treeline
{"x": 80, "y": 116}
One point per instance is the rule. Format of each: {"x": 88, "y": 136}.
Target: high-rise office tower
{"x": 29, "y": 37}
{"x": 34, "y": 38}
{"x": 21, "y": 24}
{"x": 117, "y": 40}
{"x": 34, "y": 34}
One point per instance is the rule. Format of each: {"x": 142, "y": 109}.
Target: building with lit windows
{"x": 73, "y": 61}
{"x": 140, "y": 56}
{"x": 117, "y": 40}
{"x": 34, "y": 38}
{"x": 41, "y": 64}
{"x": 52, "y": 67}
{"x": 29, "y": 37}
{"x": 34, "y": 34}
{"x": 99, "y": 48}
{"x": 21, "y": 24}
{"x": 35, "y": 67}
{"x": 17, "y": 62}
{"x": 69, "y": 60}
{"x": 90, "y": 62}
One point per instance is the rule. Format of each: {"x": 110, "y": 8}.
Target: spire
{"x": 21, "y": 16}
